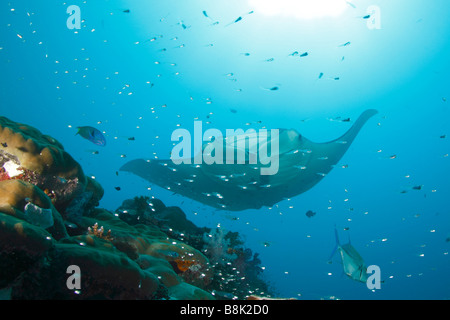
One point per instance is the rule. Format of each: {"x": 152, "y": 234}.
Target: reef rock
{"x": 50, "y": 223}
{"x": 29, "y": 155}
{"x": 29, "y": 203}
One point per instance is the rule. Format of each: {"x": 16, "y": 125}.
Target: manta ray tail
{"x": 350, "y": 135}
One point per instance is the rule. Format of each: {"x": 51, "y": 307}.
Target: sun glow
{"x": 302, "y": 9}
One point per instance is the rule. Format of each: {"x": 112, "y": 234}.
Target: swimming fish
{"x": 241, "y": 186}
{"x": 320, "y": 75}
{"x": 183, "y": 25}
{"x": 310, "y": 214}
{"x": 271, "y": 89}
{"x": 345, "y": 44}
{"x": 214, "y": 22}
{"x": 92, "y": 134}
{"x": 304, "y": 54}
{"x": 235, "y": 21}
{"x": 352, "y": 263}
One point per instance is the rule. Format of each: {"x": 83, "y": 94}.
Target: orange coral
{"x": 98, "y": 232}
{"x": 184, "y": 265}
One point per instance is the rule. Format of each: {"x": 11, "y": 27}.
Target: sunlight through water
{"x": 302, "y": 9}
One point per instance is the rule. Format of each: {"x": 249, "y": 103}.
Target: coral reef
{"x": 234, "y": 271}
{"x": 28, "y": 155}
{"x": 50, "y": 223}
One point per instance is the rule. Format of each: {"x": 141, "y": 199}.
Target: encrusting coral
{"x": 29, "y": 155}
{"x": 49, "y": 221}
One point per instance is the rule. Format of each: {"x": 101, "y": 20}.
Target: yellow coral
{"x": 29, "y": 155}
{"x": 37, "y": 152}
{"x": 16, "y": 194}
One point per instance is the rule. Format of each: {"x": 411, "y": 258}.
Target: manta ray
{"x": 240, "y": 186}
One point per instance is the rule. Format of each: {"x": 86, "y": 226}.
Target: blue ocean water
{"x": 141, "y": 69}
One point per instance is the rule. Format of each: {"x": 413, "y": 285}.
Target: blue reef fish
{"x": 92, "y": 134}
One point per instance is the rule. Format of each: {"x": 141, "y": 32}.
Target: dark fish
{"x": 295, "y": 53}
{"x": 310, "y": 213}
{"x": 442, "y": 137}
{"x": 366, "y": 17}
{"x": 117, "y": 188}
{"x": 346, "y": 120}
{"x": 4, "y": 144}
{"x": 206, "y": 15}
{"x": 320, "y": 75}
{"x": 417, "y": 188}
{"x": 131, "y": 139}
{"x": 235, "y": 21}
{"x": 233, "y": 110}
{"x": 274, "y": 88}
{"x": 126, "y": 11}
{"x": 183, "y": 25}
{"x": 345, "y": 44}
{"x": 304, "y": 54}
{"x": 92, "y": 134}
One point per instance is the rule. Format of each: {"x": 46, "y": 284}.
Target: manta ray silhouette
{"x": 236, "y": 187}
